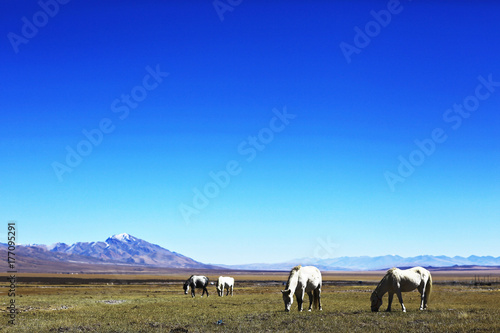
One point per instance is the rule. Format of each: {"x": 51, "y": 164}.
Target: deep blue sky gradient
{"x": 321, "y": 177}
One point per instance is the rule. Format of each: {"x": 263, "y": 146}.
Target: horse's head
{"x": 186, "y": 287}
{"x": 287, "y": 298}
{"x": 376, "y": 301}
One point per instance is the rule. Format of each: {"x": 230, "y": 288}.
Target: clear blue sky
{"x": 356, "y": 103}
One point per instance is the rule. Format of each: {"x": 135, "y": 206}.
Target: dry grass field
{"x": 140, "y": 303}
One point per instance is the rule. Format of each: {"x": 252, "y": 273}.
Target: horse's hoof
{"x": 309, "y": 310}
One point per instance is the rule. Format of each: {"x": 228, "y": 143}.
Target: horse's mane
{"x": 189, "y": 279}
{"x": 388, "y": 275}
{"x": 292, "y": 273}
{"x": 392, "y": 274}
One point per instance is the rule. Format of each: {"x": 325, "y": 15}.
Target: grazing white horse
{"x": 225, "y": 282}
{"x": 196, "y": 281}
{"x": 398, "y": 281}
{"x": 303, "y": 280}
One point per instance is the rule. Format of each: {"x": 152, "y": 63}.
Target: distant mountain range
{"x": 125, "y": 248}
{"x": 366, "y": 263}
{"x": 116, "y": 250}
{"x": 128, "y": 253}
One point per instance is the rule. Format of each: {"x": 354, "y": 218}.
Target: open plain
{"x": 463, "y": 301}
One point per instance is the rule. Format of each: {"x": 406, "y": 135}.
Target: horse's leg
{"x": 206, "y": 290}
{"x": 310, "y": 294}
{"x": 192, "y": 291}
{"x": 300, "y": 299}
{"x": 232, "y": 290}
{"x": 421, "y": 290}
{"x": 398, "y": 292}
{"x": 391, "y": 296}
{"x": 426, "y": 296}
{"x": 318, "y": 295}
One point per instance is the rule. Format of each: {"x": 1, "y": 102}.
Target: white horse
{"x": 303, "y": 280}
{"x": 196, "y": 281}
{"x": 398, "y": 281}
{"x": 225, "y": 282}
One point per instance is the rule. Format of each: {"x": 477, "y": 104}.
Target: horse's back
{"x": 410, "y": 279}
{"x": 312, "y": 270}
{"x": 422, "y": 271}
{"x": 200, "y": 281}
{"x": 229, "y": 281}
{"x": 310, "y": 277}
{"x": 226, "y": 280}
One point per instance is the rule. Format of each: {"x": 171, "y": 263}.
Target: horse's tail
{"x": 428, "y": 288}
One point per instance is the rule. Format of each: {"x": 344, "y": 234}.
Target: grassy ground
{"x": 255, "y": 307}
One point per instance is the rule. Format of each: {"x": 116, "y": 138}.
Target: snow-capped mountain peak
{"x": 124, "y": 237}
